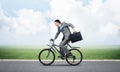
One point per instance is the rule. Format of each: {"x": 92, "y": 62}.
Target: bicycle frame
{"x": 54, "y": 48}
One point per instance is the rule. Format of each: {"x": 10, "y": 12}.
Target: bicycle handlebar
{"x": 52, "y": 41}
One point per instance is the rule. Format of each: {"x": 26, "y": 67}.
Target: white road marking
{"x": 57, "y": 60}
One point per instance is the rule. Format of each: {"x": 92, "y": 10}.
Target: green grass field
{"x": 31, "y": 52}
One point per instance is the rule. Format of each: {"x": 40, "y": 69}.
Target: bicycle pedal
{"x": 74, "y": 57}
{"x": 62, "y": 57}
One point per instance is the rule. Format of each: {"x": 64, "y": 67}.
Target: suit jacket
{"x": 64, "y": 28}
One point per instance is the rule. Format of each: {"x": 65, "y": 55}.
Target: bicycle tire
{"x": 79, "y": 61}
{"x": 40, "y": 53}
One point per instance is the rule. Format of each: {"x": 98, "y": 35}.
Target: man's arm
{"x": 67, "y": 24}
{"x": 56, "y": 35}
{"x": 72, "y": 26}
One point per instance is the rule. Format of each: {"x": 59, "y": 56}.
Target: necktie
{"x": 59, "y": 29}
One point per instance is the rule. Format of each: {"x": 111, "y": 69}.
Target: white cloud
{"x": 26, "y": 22}
{"x": 110, "y": 29}
{"x": 27, "y": 27}
{"x": 95, "y": 5}
{"x": 29, "y": 22}
{"x": 4, "y": 21}
{"x": 97, "y": 21}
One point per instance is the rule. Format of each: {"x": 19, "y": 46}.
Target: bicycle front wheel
{"x": 76, "y": 57}
{"x": 46, "y": 57}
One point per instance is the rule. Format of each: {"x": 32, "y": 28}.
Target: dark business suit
{"x": 64, "y": 28}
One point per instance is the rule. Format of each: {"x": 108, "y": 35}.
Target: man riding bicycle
{"x": 64, "y": 28}
{"x": 73, "y": 55}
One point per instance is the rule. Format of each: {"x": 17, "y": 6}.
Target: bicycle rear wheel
{"x": 76, "y": 57}
{"x": 46, "y": 57}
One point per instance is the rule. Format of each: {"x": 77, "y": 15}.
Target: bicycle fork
{"x": 48, "y": 54}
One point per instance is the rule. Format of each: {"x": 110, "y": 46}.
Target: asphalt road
{"x": 59, "y": 66}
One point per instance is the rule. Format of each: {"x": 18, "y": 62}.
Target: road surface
{"x": 59, "y": 66}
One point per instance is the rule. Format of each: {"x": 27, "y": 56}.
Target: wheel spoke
{"x": 46, "y": 56}
{"x": 76, "y": 58}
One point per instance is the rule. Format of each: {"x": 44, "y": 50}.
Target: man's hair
{"x": 57, "y": 20}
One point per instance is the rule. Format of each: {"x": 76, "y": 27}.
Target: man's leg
{"x": 63, "y": 48}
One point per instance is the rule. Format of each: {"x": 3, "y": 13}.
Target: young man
{"x": 64, "y": 28}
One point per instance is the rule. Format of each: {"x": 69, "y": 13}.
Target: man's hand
{"x": 74, "y": 31}
{"x": 51, "y": 39}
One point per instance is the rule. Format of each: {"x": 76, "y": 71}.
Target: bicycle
{"x": 47, "y": 56}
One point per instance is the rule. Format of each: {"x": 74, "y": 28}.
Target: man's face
{"x": 57, "y": 24}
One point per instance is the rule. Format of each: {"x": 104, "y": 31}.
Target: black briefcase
{"x": 76, "y": 37}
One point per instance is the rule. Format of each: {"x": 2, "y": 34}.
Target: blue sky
{"x": 10, "y": 6}
{"x": 30, "y": 22}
